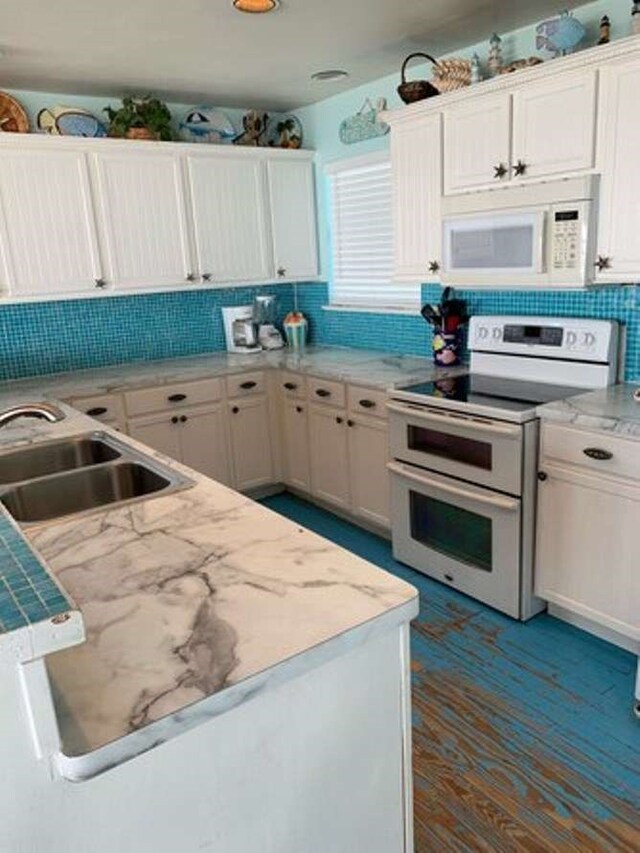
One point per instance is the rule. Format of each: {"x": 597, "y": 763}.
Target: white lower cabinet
{"x": 329, "y": 455}
{"x": 368, "y": 448}
{"x": 251, "y": 448}
{"x": 196, "y": 437}
{"x": 295, "y": 444}
{"x": 588, "y": 551}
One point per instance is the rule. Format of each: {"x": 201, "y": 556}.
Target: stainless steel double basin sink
{"x": 80, "y": 474}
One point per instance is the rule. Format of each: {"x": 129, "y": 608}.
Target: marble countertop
{"x": 367, "y": 367}
{"x": 190, "y": 602}
{"x": 612, "y": 409}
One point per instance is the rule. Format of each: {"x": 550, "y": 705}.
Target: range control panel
{"x": 550, "y": 337}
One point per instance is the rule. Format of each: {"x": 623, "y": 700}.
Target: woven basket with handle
{"x": 416, "y": 90}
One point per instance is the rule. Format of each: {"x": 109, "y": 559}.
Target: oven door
{"x": 460, "y": 534}
{"x": 486, "y": 451}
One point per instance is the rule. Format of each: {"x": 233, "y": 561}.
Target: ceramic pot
{"x": 140, "y": 133}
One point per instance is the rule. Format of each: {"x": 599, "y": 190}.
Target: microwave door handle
{"x": 423, "y": 479}
{"x": 490, "y": 428}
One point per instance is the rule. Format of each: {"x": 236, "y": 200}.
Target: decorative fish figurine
{"x": 560, "y": 35}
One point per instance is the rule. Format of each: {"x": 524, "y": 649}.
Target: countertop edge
{"x": 84, "y": 767}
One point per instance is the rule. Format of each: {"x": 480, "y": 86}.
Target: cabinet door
{"x": 328, "y": 455}
{"x": 159, "y": 433}
{"x": 295, "y": 444}
{"x": 48, "y": 237}
{"x": 554, "y": 125}
{"x": 368, "y": 475}
{"x": 203, "y": 442}
{"x": 587, "y": 528}
{"x": 619, "y": 143}
{"x": 293, "y": 218}
{"x": 228, "y": 198}
{"x": 477, "y": 138}
{"x": 251, "y": 443}
{"x": 143, "y": 218}
{"x": 416, "y": 163}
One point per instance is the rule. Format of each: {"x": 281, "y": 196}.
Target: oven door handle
{"x": 489, "y": 428}
{"x": 423, "y": 479}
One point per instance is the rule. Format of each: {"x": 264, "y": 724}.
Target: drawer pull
{"x": 176, "y": 398}
{"x": 235, "y": 410}
{"x": 290, "y": 386}
{"x": 248, "y": 385}
{"x": 598, "y": 453}
{"x": 96, "y": 411}
{"x": 449, "y": 578}
{"x": 367, "y": 404}
{"x": 322, "y": 392}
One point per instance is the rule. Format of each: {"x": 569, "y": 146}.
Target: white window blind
{"x": 362, "y": 237}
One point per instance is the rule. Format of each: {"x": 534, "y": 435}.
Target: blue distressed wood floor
{"x": 523, "y": 736}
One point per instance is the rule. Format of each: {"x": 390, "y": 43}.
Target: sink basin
{"x": 82, "y": 490}
{"x": 39, "y": 460}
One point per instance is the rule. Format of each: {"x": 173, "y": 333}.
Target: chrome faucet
{"x": 46, "y": 411}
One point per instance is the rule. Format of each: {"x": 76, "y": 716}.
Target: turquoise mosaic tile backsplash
{"x": 49, "y": 337}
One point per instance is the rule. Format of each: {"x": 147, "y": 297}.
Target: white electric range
{"x": 465, "y": 452}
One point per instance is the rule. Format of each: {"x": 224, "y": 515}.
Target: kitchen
{"x": 384, "y": 572}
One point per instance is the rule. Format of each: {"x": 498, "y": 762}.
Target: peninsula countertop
{"x": 612, "y": 409}
{"x": 191, "y": 603}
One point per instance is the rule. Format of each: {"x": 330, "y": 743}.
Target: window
{"x": 362, "y": 237}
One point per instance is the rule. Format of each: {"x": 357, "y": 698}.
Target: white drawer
{"x": 293, "y": 385}
{"x": 175, "y": 396}
{"x": 595, "y": 451}
{"x": 245, "y": 383}
{"x": 108, "y": 408}
{"x": 326, "y": 391}
{"x": 367, "y": 401}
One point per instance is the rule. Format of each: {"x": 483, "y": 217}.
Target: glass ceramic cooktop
{"x": 492, "y": 391}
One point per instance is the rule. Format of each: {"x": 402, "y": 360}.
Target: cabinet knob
{"x": 235, "y": 410}
{"x": 434, "y": 266}
{"x": 183, "y": 419}
{"x": 500, "y": 171}
{"x": 97, "y": 411}
{"x": 542, "y": 476}
{"x": 206, "y": 276}
{"x": 299, "y": 409}
{"x": 282, "y": 271}
{"x": 174, "y": 419}
{"x": 190, "y": 277}
{"x": 350, "y": 423}
{"x": 100, "y": 283}
{"x": 598, "y": 453}
{"x": 520, "y": 168}
{"x": 603, "y": 262}
{"x": 176, "y": 398}
{"x": 339, "y": 420}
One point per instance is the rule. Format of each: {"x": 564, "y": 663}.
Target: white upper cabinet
{"x": 554, "y": 125}
{"x": 293, "y": 221}
{"x": 229, "y": 209}
{"x": 142, "y": 218}
{"x": 477, "y": 143}
{"x": 619, "y": 144}
{"x": 47, "y": 232}
{"x": 416, "y": 164}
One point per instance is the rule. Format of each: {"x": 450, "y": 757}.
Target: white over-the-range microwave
{"x": 539, "y": 235}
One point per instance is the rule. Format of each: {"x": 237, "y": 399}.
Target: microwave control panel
{"x": 566, "y": 241}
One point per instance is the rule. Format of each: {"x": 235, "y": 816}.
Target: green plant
{"x": 147, "y": 112}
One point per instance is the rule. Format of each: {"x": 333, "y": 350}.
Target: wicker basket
{"x": 452, "y": 74}
{"x": 416, "y": 90}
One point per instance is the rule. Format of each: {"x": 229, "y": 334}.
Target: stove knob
{"x": 483, "y": 332}
{"x": 497, "y": 333}
{"x": 589, "y": 339}
{"x": 571, "y": 339}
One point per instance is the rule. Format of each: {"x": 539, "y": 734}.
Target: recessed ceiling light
{"x": 329, "y": 75}
{"x": 255, "y": 6}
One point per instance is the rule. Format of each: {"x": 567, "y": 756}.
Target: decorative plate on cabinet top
{"x": 284, "y": 132}
{"x": 70, "y": 121}
{"x": 13, "y": 118}
{"x": 207, "y": 124}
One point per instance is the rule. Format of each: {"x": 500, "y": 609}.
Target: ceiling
{"x": 205, "y": 51}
